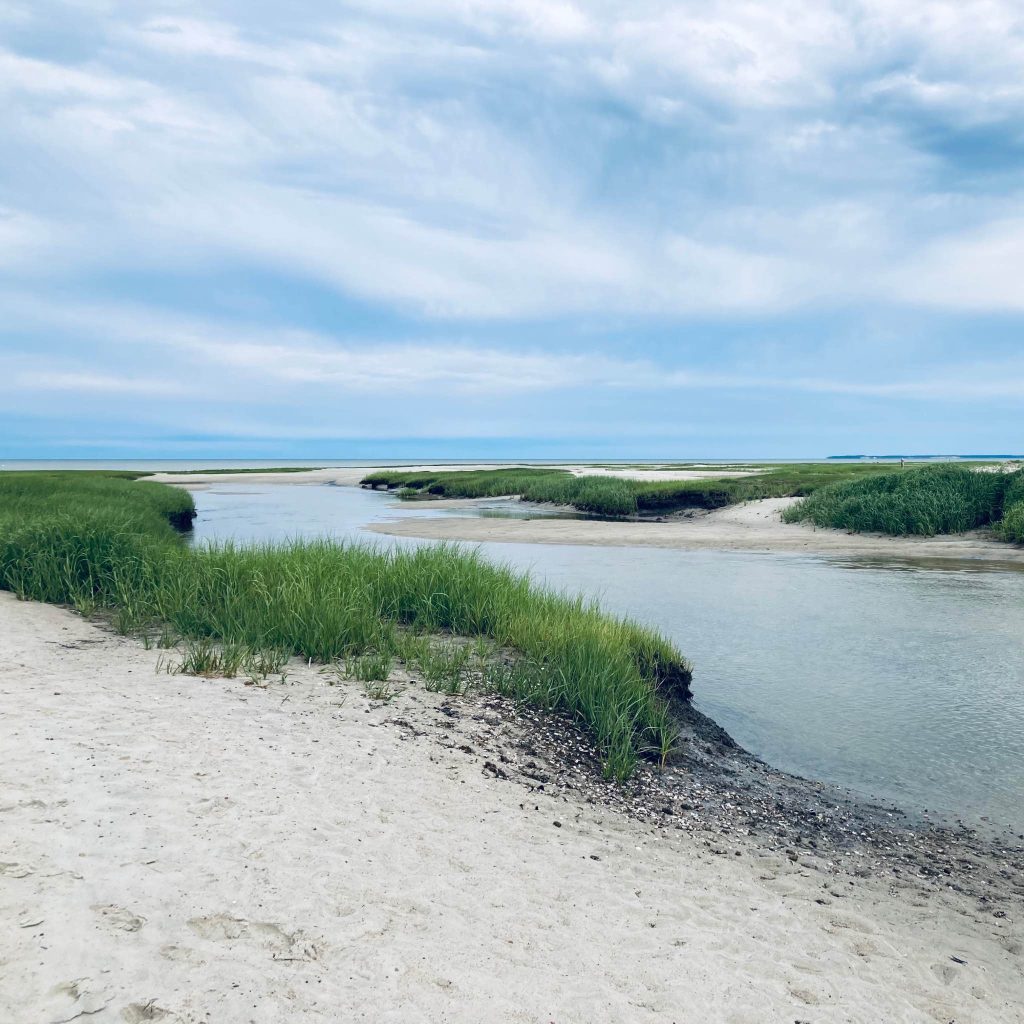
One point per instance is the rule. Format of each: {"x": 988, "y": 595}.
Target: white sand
{"x": 190, "y": 850}
{"x": 753, "y": 526}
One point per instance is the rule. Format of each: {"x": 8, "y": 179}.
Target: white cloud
{"x": 27, "y": 240}
{"x": 363, "y": 155}
{"x": 978, "y": 270}
{"x": 95, "y": 383}
{"x": 198, "y": 355}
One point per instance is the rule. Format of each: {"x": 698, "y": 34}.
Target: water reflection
{"x": 948, "y": 566}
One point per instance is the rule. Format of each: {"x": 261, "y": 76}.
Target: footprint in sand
{"x": 181, "y": 954}
{"x": 136, "y": 1013}
{"x": 212, "y": 805}
{"x": 946, "y": 973}
{"x": 219, "y": 927}
{"x": 12, "y": 869}
{"x": 281, "y": 944}
{"x": 80, "y": 997}
{"x": 118, "y": 918}
{"x": 805, "y": 995}
{"x": 852, "y": 924}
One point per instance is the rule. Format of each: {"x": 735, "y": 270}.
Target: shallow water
{"x": 902, "y": 681}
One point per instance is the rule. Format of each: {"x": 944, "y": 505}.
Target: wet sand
{"x": 185, "y": 849}
{"x": 752, "y": 526}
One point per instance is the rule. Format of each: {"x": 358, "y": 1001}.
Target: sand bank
{"x": 186, "y": 850}
{"x": 752, "y": 526}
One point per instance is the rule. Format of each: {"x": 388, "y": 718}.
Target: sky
{"x": 511, "y": 228}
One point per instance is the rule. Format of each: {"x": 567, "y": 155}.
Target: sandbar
{"x": 751, "y": 526}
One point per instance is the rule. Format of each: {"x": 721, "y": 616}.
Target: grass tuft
{"x": 1011, "y": 527}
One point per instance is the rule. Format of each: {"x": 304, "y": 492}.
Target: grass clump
{"x": 922, "y": 501}
{"x": 371, "y": 667}
{"x": 1011, "y": 527}
{"x": 108, "y": 545}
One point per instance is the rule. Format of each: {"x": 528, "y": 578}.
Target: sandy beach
{"x": 186, "y": 849}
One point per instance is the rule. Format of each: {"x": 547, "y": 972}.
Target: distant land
{"x": 947, "y": 458}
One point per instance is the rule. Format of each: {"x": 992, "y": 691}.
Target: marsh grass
{"x": 106, "y": 545}
{"x": 381, "y": 690}
{"x": 615, "y": 497}
{"x": 922, "y": 501}
{"x": 1011, "y": 527}
{"x": 445, "y": 668}
{"x": 206, "y": 658}
{"x": 374, "y": 666}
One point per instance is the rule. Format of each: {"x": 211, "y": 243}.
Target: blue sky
{"x": 248, "y": 229}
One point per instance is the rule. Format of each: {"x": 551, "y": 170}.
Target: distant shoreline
{"x": 194, "y": 466}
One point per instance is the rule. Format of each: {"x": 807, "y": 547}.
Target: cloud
{"x": 200, "y": 353}
{"x": 977, "y": 270}
{"x": 24, "y": 238}
{"x": 94, "y": 383}
{"x": 389, "y": 158}
{"x": 499, "y": 199}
